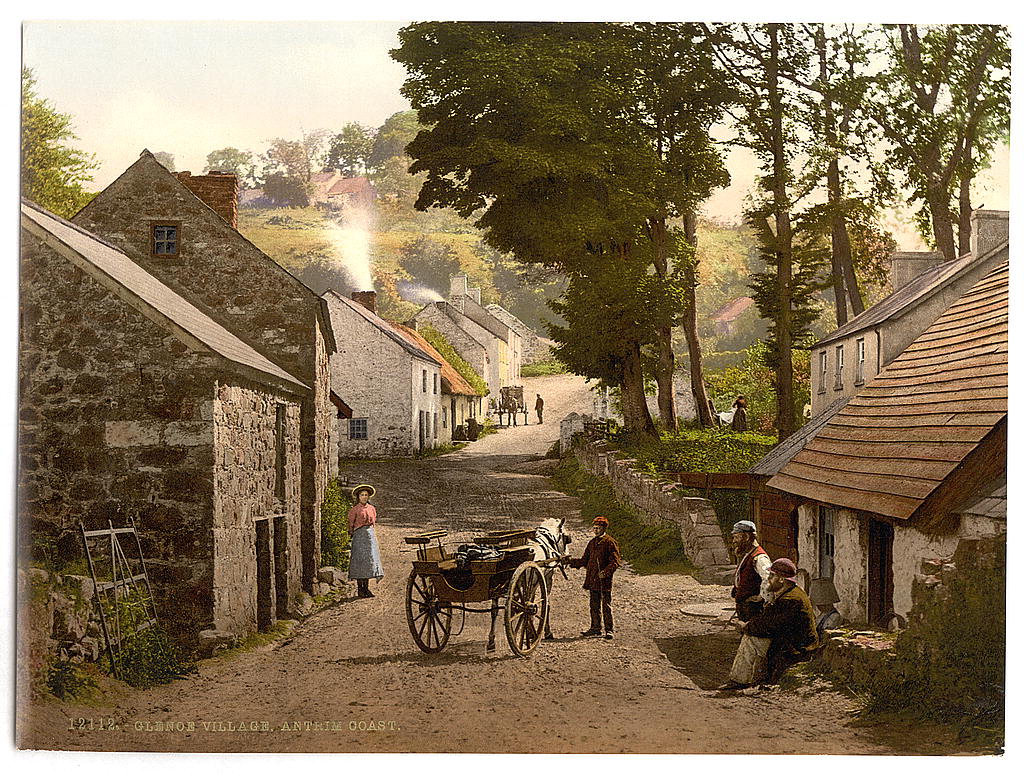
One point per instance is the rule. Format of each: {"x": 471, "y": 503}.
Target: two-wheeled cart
{"x": 439, "y": 588}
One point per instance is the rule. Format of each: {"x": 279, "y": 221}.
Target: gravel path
{"x": 349, "y": 678}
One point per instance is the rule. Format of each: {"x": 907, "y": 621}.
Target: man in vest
{"x": 777, "y": 637}
{"x": 752, "y": 565}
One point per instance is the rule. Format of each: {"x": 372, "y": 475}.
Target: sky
{"x": 191, "y": 87}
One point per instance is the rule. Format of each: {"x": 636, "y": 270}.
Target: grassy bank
{"x": 650, "y": 549}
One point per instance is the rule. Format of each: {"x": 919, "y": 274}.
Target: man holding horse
{"x": 601, "y": 558}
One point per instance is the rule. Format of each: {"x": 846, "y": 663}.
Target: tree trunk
{"x": 635, "y": 416}
{"x": 785, "y": 414}
{"x": 666, "y": 357}
{"x": 964, "y": 225}
{"x": 942, "y": 221}
{"x": 700, "y": 395}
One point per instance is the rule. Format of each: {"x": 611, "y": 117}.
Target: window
{"x": 435, "y": 384}
{"x": 860, "y": 362}
{"x": 424, "y": 380}
{"x": 359, "y": 429}
{"x": 839, "y": 368}
{"x": 165, "y": 238}
{"x": 822, "y": 370}
{"x": 279, "y": 451}
{"x": 435, "y": 424}
{"x": 444, "y": 417}
{"x": 826, "y": 542}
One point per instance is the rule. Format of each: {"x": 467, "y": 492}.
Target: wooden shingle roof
{"x": 892, "y": 446}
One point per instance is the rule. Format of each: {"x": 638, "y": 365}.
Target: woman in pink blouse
{"x": 365, "y": 559}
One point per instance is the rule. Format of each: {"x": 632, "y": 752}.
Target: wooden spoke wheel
{"x": 526, "y": 608}
{"x": 430, "y": 620}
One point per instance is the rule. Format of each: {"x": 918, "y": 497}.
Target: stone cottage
{"x": 181, "y": 228}
{"x": 134, "y": 402}
{"x": 844, "y": 361}
{"x": 459, "y": 401}
{"x": 392, "y": 385}
{"x": 910, "y": 466}
{"x": 535, "y": 347}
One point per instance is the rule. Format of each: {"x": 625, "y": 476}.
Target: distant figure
{"x": 513, "y": 409}
{"x": 364, "y": 562}
{"x": 780, "y": 635}
{"x": 539, "y": 408}
{"x": 739, "y": 415}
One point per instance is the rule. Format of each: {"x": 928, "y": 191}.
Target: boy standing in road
{"x": 601, "y": 558}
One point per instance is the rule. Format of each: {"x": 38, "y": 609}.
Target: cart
{"x": 438, "y": 589}
{"x": 505, "y": 405}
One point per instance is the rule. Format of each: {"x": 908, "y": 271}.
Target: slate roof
{"x": 116, "y": 271}
{"x": 989, "y": 499}
{"x": 925, "y": 284}
{"x": 337, "y": 302}
{"x": 485, "y": 319}
{"x": 894, "y": 443}
{"x": 456, "y": 383}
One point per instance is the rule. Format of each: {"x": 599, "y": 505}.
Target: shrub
{"x": 437, "y": 340}
{"x": 701, "y": 450}
{"x": 547, "y": 367}
{"x": 147, "y": 656}
{"x": 334, "y": 537}
{"x": 67, "y": 680}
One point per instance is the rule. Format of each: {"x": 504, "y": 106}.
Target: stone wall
{"x": 115, "y": 421}
{"x": 244, "y": 476}
{"x": 238, "y": 285}
{"x": 476, "y": 345}
{"x": 658, "y": 501}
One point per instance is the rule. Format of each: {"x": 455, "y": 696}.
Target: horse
{"x": 551, "y": 542}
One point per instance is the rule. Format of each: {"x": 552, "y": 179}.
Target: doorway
{"x": 880, "y": 583}
{"x": 264, "y": 577}
{"x": 280, "y": 567}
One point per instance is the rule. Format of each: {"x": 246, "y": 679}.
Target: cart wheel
{"x": 526, "y": 608}
{"x": 430, "y": 620}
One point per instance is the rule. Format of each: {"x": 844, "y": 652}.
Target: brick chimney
{"x": 367, "y": 298}
{"x": 219, "y": 190}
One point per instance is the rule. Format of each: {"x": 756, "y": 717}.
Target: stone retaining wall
{"x": 658, "y": 501}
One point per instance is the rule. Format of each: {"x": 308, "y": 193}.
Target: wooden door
{"x": 880, "y": 538}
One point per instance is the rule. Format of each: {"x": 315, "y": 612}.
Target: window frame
{"x": 822, "y": 370}
{"x": 365, "y": 424}
{"x": 826, "y": 541}
{"x": 861, "y": 357}
{"x": 280, "y": 449}
{"x": 838, "y": 383}
{"x": 153, "y": 226}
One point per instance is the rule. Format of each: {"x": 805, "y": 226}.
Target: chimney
{"x": 219, "y": 190}
{"x": 474, "y": 293}
{"x": 367, "y": 298}
{"x": 905, "y": 266}
{"x": 458, "y": 286}
{"x": 989, "y": 229}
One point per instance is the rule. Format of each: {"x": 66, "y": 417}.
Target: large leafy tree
{"x": 52, "y": 170}
{"x": 536, "y": 129}
{"x": 943, "y": 104}
{"x": 392, "y": 138}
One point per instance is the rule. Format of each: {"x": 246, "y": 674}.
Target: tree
{"x": 298, "y": 159}
{"x": 392, "y": 138}
{"x": 429, "y": 262}
{"x": 235, "y": 162}
{"x": 52, "y": 172}
{"x": 537, "y": 129}
{"x": 166, "y": 160}
{"x": 942, "y": 104}
{"x": 349, "y": 150}
{"x": 286, "y": 191}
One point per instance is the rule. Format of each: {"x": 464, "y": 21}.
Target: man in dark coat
{"x": 782, "y": 634}
{"x": 601, "y": 558}
{"x": 752, "y": 566}
{"x": 539, "y": 408}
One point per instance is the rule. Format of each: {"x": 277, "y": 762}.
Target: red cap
{"x": 601, "y": 520}
{"x": 785, "y": 568}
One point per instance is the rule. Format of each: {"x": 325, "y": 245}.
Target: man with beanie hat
{"x": 780, "y": 635}
{"x": 752, "y": 563}
{"x": 601, "y": 558}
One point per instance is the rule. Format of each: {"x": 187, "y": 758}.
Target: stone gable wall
{"x": 471, "y": 350}
{"x": 658, "y": 501}
{"x": 115, "y": 421}
{"x": 244, "y": 475}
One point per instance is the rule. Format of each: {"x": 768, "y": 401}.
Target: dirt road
{"x": 350, "y": 678}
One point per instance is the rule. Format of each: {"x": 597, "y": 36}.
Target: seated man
{"x": 781, "y": 634}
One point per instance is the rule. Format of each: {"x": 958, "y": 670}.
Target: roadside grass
{"x": 548, "y": 367}
{"x": 650, "y": 549}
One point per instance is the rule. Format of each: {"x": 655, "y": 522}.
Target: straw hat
{"x": 360, "y": 487}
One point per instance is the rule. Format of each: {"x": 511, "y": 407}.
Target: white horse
{"x": 551, "y": 543}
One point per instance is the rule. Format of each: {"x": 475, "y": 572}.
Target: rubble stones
{"x": 213, "y": 641}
